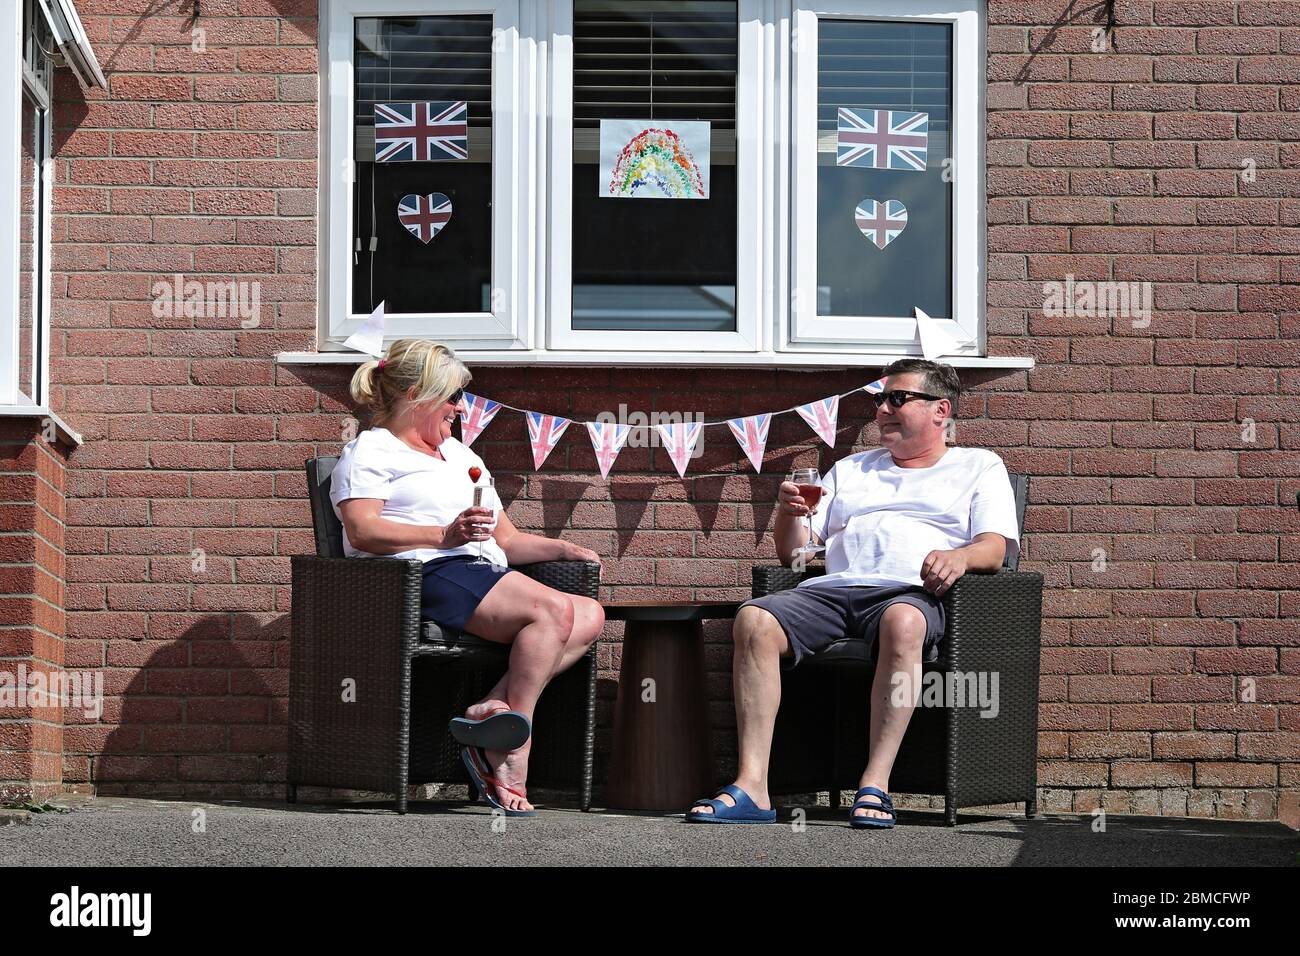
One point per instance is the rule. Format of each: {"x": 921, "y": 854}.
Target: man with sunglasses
{"x": 900, "y": 524}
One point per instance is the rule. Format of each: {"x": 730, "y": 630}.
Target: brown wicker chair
{"x": 356, "y": 625}
{"x": 993, "y": 625}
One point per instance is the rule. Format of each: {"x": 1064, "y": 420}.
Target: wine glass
{"x": 485, "y": 497}
{"x": 811, "y": 491}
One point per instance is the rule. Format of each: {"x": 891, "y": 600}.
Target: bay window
{"x": 750, "y": 182}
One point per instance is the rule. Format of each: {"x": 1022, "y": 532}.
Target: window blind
{"x": 654, "y": 59}
{"x": 864, "y": 64}
{"x": 408, "y": 60}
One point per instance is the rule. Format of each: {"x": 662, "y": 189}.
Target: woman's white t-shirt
{"x": 415, "y": 488}
{"x": 879, "y": 521}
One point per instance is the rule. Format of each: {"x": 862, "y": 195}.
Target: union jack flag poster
{"x": 478, "y": 415}
{"x": 424, "y": 216}
{"x": 607, "y": 439}
{"x": 883, "y": 139}
{"x": 821, "y": 417}
{"x": 751, "y": 433}
{"x": 544, "y": 433}
{"x": 680, "y": 439}
{"x": 882, "y": 223}
{"x": 420, "y": 132}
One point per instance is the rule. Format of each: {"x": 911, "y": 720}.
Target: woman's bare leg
{"x": 537, "y": 622}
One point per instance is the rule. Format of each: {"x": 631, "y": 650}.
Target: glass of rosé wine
{"x": 810, "y": 490}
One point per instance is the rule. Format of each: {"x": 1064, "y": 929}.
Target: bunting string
{"x": 870, "y": 388}
{"x": 678, "y": 438}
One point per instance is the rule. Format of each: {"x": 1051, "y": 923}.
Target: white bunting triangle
{"x": 680, "y": 439}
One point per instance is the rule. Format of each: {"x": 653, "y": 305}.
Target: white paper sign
{"x": 370, "y": 337}
{"x": 649, "y": 159}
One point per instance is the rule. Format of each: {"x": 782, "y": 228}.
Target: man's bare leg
{"x": 759, "y": 644}
{"x": 901, "y": 640}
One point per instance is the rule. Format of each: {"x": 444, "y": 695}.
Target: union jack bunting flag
{"x": 751, "y": 433}
{"x": 821, "y": 416}
{"x": 420, "y": 132}
{"x": 883, "y": 139}
{"x": 680, "y": 439}
{"x": 607, "y": 440}
{"x": 882, "y": 223}
{"x": 875, "y": 387}
{"x": 424, "y": 216}
{"x": 478, "y": 415}
{"x": 544, "y": 433}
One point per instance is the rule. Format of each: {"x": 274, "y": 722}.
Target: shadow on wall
{"x": 204, "y": 714}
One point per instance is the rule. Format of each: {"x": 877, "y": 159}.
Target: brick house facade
{"x": 1164, "y": 460}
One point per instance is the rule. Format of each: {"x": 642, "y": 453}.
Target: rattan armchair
{"x": 993, "y": 627}
{"x": 372, "y": 687}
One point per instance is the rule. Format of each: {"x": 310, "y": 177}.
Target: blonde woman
{"x": 403, "y": 489}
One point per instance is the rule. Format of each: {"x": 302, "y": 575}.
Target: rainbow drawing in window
{"x": 640, "y": 159}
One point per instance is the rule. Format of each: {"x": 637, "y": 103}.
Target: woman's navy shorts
{"x": 454, "y": 587}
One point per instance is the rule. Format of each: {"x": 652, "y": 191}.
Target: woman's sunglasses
{"x": 899, "y": 397}
{"x": 456, "y": 396}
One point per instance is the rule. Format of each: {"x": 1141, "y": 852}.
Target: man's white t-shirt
{"x": 415, "y": 488}
{"x": 879, "y": 521}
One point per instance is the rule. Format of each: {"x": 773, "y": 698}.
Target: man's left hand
{"x": 941, "y": 568}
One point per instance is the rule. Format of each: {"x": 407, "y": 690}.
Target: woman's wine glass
{"x": 485, "y": 496}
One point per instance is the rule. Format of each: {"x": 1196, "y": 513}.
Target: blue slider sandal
{"x": 745, "y": 810}
{"x": 884, "y": 804}
{"x": 505, "y": 730}
{"x": 483, "y": 781}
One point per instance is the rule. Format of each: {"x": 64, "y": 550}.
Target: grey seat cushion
{"x": 431, "y": 633}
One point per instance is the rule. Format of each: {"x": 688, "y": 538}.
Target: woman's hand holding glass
{"x": 472, "y": 524}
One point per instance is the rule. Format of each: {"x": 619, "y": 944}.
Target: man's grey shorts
{"x": 813, "y": 618}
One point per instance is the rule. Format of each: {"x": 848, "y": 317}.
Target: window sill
{"x": 61, "y": 428}
{"x": 803, "y": 361}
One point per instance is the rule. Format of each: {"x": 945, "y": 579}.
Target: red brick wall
{"x": 1123, "y": 165}
{"x": 31, "y": 608}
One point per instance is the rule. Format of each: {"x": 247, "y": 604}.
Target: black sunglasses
{"x": 456, "y": 396}
{"x": 900, "y": 397}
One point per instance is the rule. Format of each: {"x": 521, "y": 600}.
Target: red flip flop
{"x": 480, "y": 772}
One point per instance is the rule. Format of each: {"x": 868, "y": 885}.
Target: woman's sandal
{"x": 745, "y": 810}
{"x": 884, "y": 804}
{"x": 503, "y": 730}
{"x": 483, "y": 781}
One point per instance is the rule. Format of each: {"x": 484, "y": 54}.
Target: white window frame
{"x": 507, "y": 325}
{"x": 807, "y": 329}
{"x": 532, "y": 228}
{"x": 749, "y": 238}
{"x": 22, "y": 86}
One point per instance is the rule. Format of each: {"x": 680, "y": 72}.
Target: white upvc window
{"x": 898, "y": 66}
{"x": 538, "y": 264}
{"x": 638, "y": 275}
{"x": 464, "y": 289}
{"x": 32, "y": 34}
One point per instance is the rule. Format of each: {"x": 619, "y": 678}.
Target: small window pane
{"x": 906, "y": 68}
{"x": 440, "y": 59}
{"x": 654, "y": 264}
{"x": 31, "y": 271}
{"x": 38, "y": 45}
